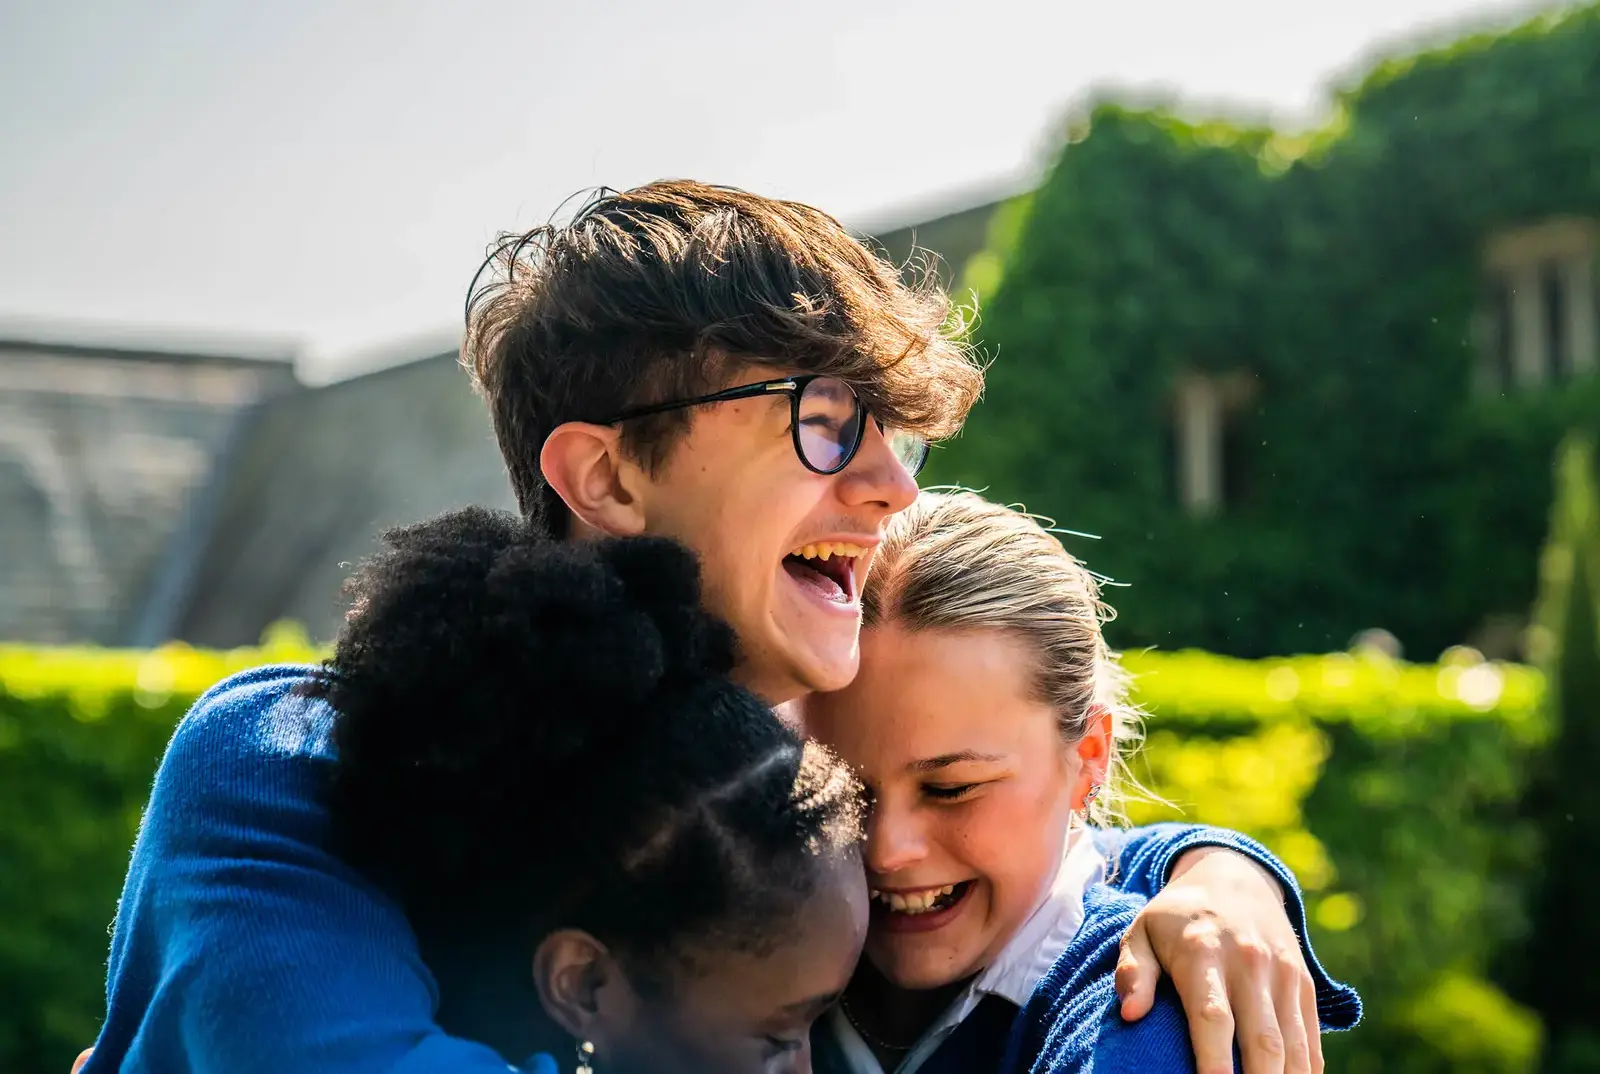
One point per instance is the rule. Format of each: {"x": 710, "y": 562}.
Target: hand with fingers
{"x": 1219, "y": 929}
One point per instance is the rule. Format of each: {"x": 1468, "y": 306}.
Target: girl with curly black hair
{"x": 606, "y": 847}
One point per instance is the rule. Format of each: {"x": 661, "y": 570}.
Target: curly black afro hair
{"x": 534, "y": 734}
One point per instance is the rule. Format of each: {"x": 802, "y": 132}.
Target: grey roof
{"x": 100, "y": 451}
{"x": 954, "y": 236}
{"x": 316, "y": 476}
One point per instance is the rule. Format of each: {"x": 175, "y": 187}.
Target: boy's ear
{"x": 589, "y": 470}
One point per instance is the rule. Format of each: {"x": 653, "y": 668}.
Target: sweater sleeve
{"x": 241, "y": 943}
{"x": 1156, "y": 1044}
{"x": 1141, "y": 861}
{"x": 1072, "y": 1025}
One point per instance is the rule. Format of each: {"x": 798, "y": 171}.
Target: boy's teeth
{"x": 828, "y": 549}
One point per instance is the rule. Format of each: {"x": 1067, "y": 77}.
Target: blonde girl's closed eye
{"x": 952, "y": 793}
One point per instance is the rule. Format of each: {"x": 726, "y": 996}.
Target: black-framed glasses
{"x": 827, "y": 420}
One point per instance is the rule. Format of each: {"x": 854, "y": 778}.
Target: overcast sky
{"x": 328, "y": 173}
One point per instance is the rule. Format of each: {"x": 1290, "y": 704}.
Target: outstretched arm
{"x": 1226, "y": 922}
{"x": 242, "y": 944}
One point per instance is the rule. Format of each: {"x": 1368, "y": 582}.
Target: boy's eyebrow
{"x": 945, "y": 760}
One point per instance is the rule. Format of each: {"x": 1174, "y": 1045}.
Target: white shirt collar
{"x": 1029, "y": 954}
{"x": 1015, "y": 972}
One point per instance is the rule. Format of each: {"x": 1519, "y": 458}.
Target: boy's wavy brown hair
{"x": 664, "y": 291}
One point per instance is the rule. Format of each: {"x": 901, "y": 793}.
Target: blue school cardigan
{"x": 243, "y": 945}
{"x": 1072, "y": 1023}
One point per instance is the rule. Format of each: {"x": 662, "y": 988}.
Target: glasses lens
{"x": 830, "y": 424}
{"x": 910, "y": 449}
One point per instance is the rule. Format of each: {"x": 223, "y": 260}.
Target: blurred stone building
{"x": 105, "y": 458}
{"x": 156, "y": 493}
{"x": 148, "y": 495}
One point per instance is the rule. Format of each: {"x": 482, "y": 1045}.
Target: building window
{"x": 1541, "y": 313}
{"x": 1210, "y": 461}
{"x": 1497, "y": 346}
{"x": 1553, "y": 297}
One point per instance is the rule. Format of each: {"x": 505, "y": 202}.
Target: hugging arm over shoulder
{"x": 243, "y": 945}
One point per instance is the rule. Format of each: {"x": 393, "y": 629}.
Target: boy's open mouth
{"x": 827, "y": 568}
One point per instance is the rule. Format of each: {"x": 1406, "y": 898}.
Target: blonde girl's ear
{"x": 1095, "y": 754}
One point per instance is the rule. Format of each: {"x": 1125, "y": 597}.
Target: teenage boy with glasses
{"x": 656, "y": 366}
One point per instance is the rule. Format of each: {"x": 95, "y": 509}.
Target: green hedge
{"x": 81, "y": 732}
{"x": 1563, "y": 799}
{"x": 1385, "y": 786}
{"x": 1341, "y": 271}
{"x": 1390, "y": 790}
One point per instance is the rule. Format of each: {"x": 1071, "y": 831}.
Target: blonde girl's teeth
{"x": 917, "y": 902}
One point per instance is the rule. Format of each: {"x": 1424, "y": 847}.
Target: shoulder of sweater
{"x": 1107, "y": 915}
{"x": 256, "y": 714}
{"x": 1158, "y": 1043}
{"x": 244, "y": 777}
{"x": 281, "y": 677}
{"x": 1073, "y": 1021}
{"x": 1080, "y": 982}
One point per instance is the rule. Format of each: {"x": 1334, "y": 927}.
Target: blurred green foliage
{"x": 1390, "y": 790}
{"x": 1384, "y": 786}
{"x": 81, "y": 732}
{"x": 1563, "y": 801}
{"x": 1339, "y": 274}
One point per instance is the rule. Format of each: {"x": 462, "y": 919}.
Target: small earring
{"x": 585, "y": 1055}
{"x": 1089, "y": 795}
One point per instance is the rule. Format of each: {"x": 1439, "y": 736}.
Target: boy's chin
{"x": 790, "y": 665}
{"x": 825, "y": 673}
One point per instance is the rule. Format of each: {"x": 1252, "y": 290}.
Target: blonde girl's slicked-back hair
{"x": 955, "y": 561}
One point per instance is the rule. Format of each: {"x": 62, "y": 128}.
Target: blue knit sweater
{"x": 1072, "y": 1023}
{"x": 243, "y": 945}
